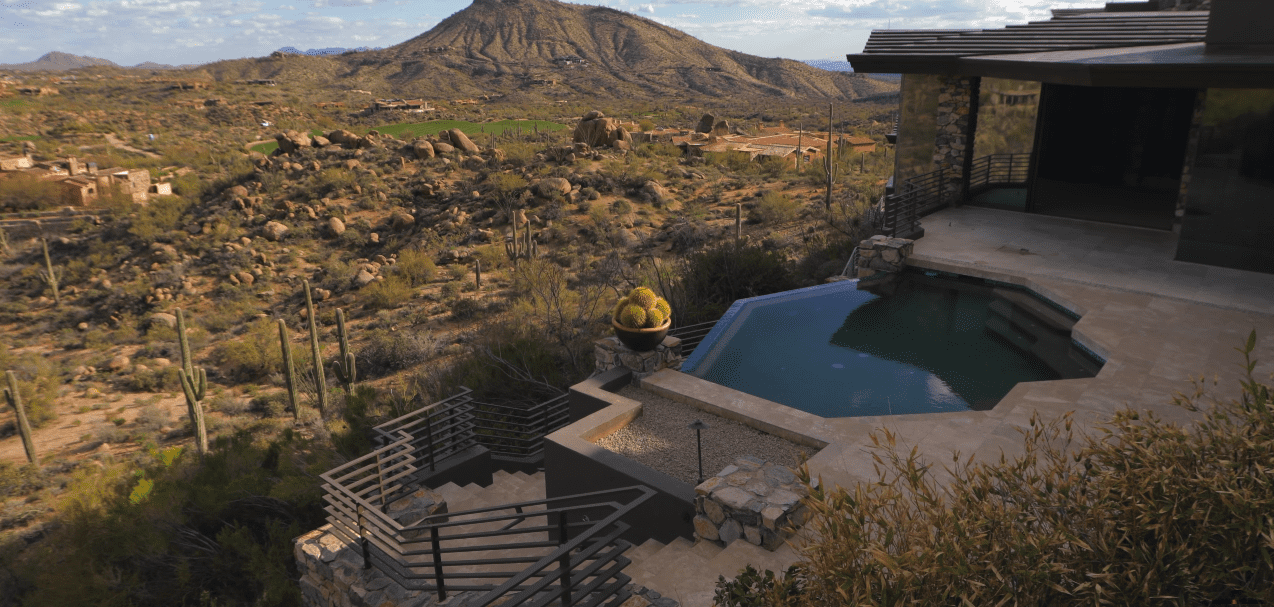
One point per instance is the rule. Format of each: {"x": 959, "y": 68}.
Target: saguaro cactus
{"x": 50, "y": 275}
{"x": 289, "y": 370}
{"x": 194, "y": 383}
{"x": 14, "y": 398}
{"x": 344, "y": 367}
{"x": 320, "y": 382}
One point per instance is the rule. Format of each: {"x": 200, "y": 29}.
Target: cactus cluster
{"x": 642, "y": 309}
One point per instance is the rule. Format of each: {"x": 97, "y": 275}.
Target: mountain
{"x": 58, "y": 62}
{"x": 552, "y": 50}
{"x": 319, "y": 52}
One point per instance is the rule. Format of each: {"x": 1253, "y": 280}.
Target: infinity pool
{"x": 918, "y": 342}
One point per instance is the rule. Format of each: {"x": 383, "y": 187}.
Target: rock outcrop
{"x": 596, "y": 130}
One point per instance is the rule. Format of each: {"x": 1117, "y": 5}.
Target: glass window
{"x": 1006, "y": 117}
{"x": 918, "y": 126}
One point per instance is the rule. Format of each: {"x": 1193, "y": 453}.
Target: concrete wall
{"x": 573, "y": 464}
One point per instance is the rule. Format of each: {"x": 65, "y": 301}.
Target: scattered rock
{"x": 92, "y": 393}
{"x": 422, "y": 149}
{"x": 706, "y": 123}
{"x": 343, "y": 137}
{"x": 335, "y": 226}
{"x": 119, "y": 363}
{"x": 291, "y": 141}
{"x": 363, "y": 278}
{"x": 164, "y": 318}
{"x": 401, "y": 219}
{"x": 443, "y": 147}
{"x": 545, "y": 188}
{"x": 274, "y": 231}
{"x": 654, "y": 192}
{"x": 238, "y": 191}
{"x": 320, "y": 141}
{"x": 600, "y": 131}
{"x": 246, "y": 278}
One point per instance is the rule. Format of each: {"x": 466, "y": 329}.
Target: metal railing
{"x": 434, "y": 432}
{"x": 516, "y": 432}
{"x": 692, "y": 335}
{"x": 924, "y": 194}
{"x": 560, "y": 549}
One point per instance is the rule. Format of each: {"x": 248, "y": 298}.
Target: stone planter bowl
{"x": 642, "y": 340}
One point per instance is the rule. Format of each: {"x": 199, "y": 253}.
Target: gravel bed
{"x": 661, "y": 440}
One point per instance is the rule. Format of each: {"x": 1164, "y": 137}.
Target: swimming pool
{"x": 917, "y": 342}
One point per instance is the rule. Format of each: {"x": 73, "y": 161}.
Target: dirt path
{"x": 115, "y": 141}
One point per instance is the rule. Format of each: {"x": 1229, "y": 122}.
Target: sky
{"x": 176, "y": 32}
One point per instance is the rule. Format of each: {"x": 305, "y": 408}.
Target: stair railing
{"x": 924, "y": 194}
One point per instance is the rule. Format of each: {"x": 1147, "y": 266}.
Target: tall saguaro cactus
{"x": 344, "y": 367}
{"x": 320, "y": 383}
{"x": 50, "y": 275}
{"x": 14, "y": 398}
{"x": 289, "y": 370}
{"x": 194, "y": 383}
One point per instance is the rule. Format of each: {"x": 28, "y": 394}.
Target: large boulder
{"x": 599, "y": 131}
{"x": 290, "y": 141}
{"x": 343, "y": 137}
{"x": 549, "y": 186}
{"x": 274, "y": 231}
{"x": 335, "y": 226}
{"x": 654, "y": 192}
{"x": 706, "y": 123}
{"x": 721, "y": 128}
{"x": 422, "y": 149}
{"x": 461, "y": 141}
{"x": 443, "y": 147}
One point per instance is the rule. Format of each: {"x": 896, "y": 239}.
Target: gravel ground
{"x": 661, "y": 440}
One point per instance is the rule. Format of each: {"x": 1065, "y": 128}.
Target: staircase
{"x": 682, "y": 570}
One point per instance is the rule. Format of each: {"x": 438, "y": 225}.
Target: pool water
{"x": 911, "y": 343}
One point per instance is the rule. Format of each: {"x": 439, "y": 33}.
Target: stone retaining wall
{"x": 611, "y": 353}
{"x": 751, "y": 499}
{"x": 883, "y": 254}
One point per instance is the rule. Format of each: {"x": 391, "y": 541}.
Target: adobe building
{"x": 1153, "y": 114}
{"x": 82, "y": 184}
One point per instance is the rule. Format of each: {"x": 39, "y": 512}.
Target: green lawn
{"x": 433, "y": 127}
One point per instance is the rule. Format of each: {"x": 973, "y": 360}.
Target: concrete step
{"x": 682, "y": 576}
{"x": 454, "y": 495}
{"x": 639, "y": 554}
{"x": 661, "y": 560}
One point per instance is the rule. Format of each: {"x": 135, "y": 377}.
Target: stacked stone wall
{"x": 611, "y": 353}
{"x": 750, "y": 499}
{"x": 955, "y": 103}
{"x": 883, "y": 254}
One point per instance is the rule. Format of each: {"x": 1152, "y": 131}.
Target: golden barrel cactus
{"x": 642, "y": 309}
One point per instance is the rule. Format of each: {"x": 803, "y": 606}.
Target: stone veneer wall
{"x": 750, "y": 499}
{"x": 611, "y": 353}
{"x": 955, "y": 104}
{"x": 883, "y": 254}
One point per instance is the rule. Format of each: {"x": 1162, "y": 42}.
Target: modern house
{"x": 1155, "y": 114}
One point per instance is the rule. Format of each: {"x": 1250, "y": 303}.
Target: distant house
{"x": 83, "y": 184}
{"x": 1181, "y": 97}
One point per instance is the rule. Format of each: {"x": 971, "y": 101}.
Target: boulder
{"x": 461, "y": 141}
{"x": 706, "y": 123}
{"x": 443, "y": 147}
{"x": 593, "y": 115}
{"x": 274, "y": 231}
{"x": 164, "y": 252}
{"x": 423, "y": 149}
{"x": 290, "y": 141}
{"x": 165, "y": 319}
{"x": 237, "y": 191}
{"x": 363, "y": 278}
{"x": 320, "y": 141}
{"x": 547, "y": 187}
{"x": 473, "y": 163}
{"x": 721, "y": 128}
{"x": 655, "y": 193}
{"x": 342, "y": 137}
{"x": 401, "y": 219}
{"x": 335, "y": 226}
{"x": 119, "y": 363}
{"x": 351, "y": 164}
{"x": 599, "y": 131}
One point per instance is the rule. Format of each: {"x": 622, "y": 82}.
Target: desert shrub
{"x": 26, "y": 193}
{"x": 38, "y": 383}
{"x": 415, "y": 266}
{"x": 157, "y": 218}
{"x": 1143, "y": 512}
{"x": 151, "y": 418}
{"x": 457, "y": 271}
{"x": 163, "y": 379}
{"x": 773, "y": 208}
{"x": 254, "y": 354}
{"x": 391, "y": 292}
{"x": 388, "y": 351}
{"x": 450, "y": 290}
{"x": 491, "y": 257}
{"x": 508, "y": 361}
{"x": 714, "y": 278}
{"x": 462, "y": 308}
{"x": 228, "y": 404}
{"x": 181, "y": 531}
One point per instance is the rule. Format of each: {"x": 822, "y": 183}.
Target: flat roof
{"x": 1163, "y": 48}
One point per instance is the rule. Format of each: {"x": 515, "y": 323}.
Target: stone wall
{"x": 611, "y": 353}
{"x": 883, "y": 254}
{"x": 955, "y": 103}
{"x": 750, "y": 499}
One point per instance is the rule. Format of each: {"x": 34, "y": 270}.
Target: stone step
{"x": 661, "y": 560}
{"x": 681, "y": 575}
{"x": 454, "y": 495}
{"x": 639, "y": 554}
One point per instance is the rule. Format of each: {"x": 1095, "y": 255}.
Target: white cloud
{"x": 647, "y": 8}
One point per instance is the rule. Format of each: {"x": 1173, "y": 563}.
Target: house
{"x": 402, "y": 105}
{"x": 83, "y": 184}
{"x": 1180, "y": 93}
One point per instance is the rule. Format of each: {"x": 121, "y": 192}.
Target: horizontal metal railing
{"x": 924, "y": 194}
{"x": 436, "y": 431}
{"x": 692, "y": 335}
{"x": 518, "y": 432}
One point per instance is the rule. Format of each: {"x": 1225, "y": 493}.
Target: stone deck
{"x": 1157, "y": 322}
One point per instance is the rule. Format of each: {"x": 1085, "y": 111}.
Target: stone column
{"x": 883, "y": 254}
{"x": 611, "y": 353}
{"x": 954, "y": 141}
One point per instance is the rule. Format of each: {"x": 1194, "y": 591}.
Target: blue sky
{"x": 198, "y": 31}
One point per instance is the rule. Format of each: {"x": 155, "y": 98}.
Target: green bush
{"x": 415, "y": 266}
{"x": 388, "y": 351}
{"x": 26, "y": 193}
{"x": 255, "y": 354}
{"x": 391, "y": 292}
{"x": 1145, "y": 512}
{"x": 712, "y": 279}
{"x": 773, "y": 208}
